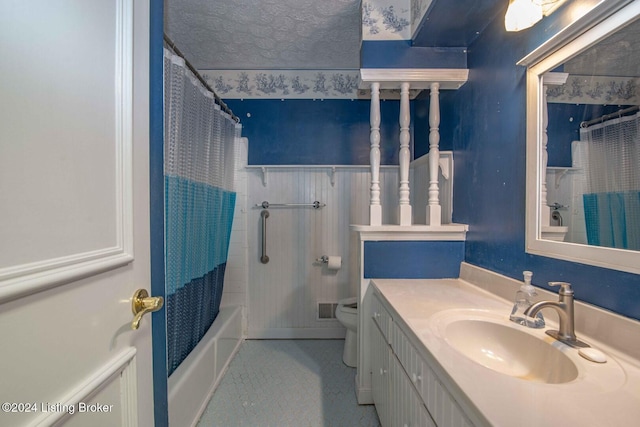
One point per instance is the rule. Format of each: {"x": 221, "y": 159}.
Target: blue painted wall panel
{"x": 449, "y": 120}
{"x": 412, "y": 259}
{"x": 456, "y": 23}
{"x": 308, "y": 132}
{"x": 401, "y": 54}
{"x": 489, "y": 150}
{"x": 564, "y": 127}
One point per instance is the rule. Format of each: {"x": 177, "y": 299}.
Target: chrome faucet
{"x": 564, "y": 308}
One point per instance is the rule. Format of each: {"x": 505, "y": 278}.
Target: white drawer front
{"x": 382, "y": 318}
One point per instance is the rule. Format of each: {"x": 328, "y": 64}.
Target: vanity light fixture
{"x": 522, "y": 14}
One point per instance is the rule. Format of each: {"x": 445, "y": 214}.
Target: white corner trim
{"x": 554, "y": 78}
{"x": 419, "y": 78}
{"x": 445, "y": 232}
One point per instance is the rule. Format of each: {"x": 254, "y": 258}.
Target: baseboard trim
{"x": 297, "y": 333}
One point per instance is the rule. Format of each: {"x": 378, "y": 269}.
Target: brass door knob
{"x": 142, "y": 304}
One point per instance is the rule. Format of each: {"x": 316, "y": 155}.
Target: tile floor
{"x": 281, "y": 383}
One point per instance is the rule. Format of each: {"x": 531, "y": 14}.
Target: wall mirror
{"x": 583, "y": 140}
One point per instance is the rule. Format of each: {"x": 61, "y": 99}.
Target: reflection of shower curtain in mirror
{"x": 199, "y": 204}
{"x": 612, "y": 196}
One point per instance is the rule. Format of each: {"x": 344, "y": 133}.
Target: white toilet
{"x": 347, "y": 314}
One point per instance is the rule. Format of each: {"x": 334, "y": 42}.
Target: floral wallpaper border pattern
{"x": 291, "y": 84}
{"x": 596, "y": 90}
{"x": 392, "y": 19}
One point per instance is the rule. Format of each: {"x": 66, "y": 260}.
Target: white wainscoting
{"x": 236, "y": 275}
{"x": 420, "y": 187}
{"x": 283, "y": 295}
{"x": 106, "y": 398}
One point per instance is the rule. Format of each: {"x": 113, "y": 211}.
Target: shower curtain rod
{"x": 606, "y": 117}
{"x": 220, "y": 102}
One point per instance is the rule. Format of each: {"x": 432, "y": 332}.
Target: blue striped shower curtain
{"x": 199, "y": 203}
{"x": 612, "y": 196}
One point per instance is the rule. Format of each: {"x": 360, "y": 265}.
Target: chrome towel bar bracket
{"x": 267, "y": 205}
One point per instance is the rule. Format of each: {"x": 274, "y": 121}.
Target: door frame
{"x": 156, "y": 207}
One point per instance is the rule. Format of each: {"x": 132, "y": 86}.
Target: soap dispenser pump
{"x": 524, "y": 299}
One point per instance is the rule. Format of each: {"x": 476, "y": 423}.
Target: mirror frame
{"x": 596, "y": 24}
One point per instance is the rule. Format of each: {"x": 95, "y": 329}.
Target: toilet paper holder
{"x": 331, "y": 262}
{"x": 323, "y": 259}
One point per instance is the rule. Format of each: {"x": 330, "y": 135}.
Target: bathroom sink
{"x": 505, "y": 348}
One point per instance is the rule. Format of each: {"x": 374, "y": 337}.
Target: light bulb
{"x": 522, "y": 14}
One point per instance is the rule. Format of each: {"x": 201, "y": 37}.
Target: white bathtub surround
{"x": 236, "y": 277}
{"x": 602, "y": 394}
{"x": 191, "y": 385}
{"x": 404, "y": 80}
{"x": 284, "y": 294}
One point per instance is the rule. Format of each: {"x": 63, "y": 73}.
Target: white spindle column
{"x": 434, "y": 210}
{"x": 545, "y": 212}
{"x": 375, "y": 208}
{"x": 404, "y": 211}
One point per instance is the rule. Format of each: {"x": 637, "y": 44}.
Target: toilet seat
{"x": 344, "y": 305}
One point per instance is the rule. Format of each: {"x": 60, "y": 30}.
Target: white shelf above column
{"x": 420, "y": 78}
{"x": 449, "y": 232}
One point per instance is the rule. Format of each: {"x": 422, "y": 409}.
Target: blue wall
{"x": 489, "y": 151}
{"x": 402, "y": 54}
{"x": 449, "y": 118}
{"x": 413, "y": 259}
{"x": 308, "y": 132}
{"x": 564, "y": 128}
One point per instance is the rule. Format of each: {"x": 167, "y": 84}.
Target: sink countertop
{"x": 602, "y": 395}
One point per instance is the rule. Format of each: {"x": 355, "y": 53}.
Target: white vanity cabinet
{"x": 405, "y": 389}
{"x": 380, "y": 377}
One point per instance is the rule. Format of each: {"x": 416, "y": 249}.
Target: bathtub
{"x": 193, "y": 382}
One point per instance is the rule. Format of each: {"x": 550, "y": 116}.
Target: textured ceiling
{"x": 325, "y": 34}
{"x": 266, "y": 34}
{"x": 617, "y": 55}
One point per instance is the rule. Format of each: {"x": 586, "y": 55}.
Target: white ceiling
{"x": 266, "y": 34}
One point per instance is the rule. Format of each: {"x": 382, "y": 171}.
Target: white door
{"x": 74, "y": 212}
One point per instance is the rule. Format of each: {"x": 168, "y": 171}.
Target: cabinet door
{"x": 406, "y": 407}
{"x": 380, "y": 352}
{"x": 441, "y": 405}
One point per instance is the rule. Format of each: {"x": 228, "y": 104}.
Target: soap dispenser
{"x": 524, "y": 299}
